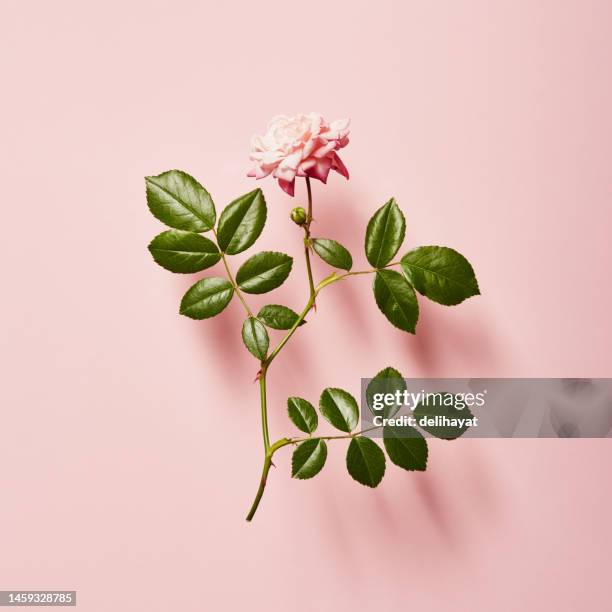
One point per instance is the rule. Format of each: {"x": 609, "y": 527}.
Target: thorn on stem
{"x": 257, "y": 377}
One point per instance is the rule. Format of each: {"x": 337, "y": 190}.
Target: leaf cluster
{"x": 180, "y": 202}
{"x": 365, "y": 460}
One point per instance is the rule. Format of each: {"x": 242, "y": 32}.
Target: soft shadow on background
{"x": 131, "y": 441}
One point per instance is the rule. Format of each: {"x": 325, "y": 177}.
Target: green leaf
{"x": 365, "y": 461}
{"x": 441, "y": 274}
{"x": 303, "y": 414}
{"x": 241, "y": 222}
{"x": 339, "y": 408}
{"x": 178, "y": 200}
{"x": 333, "y": 253}
{"x": 385, "y": 234}
{"x": 184, "y": 252}
{"x": 264, "y": 271}
{"x": 255, "y": 338}
{"x": 278, "y": 317}
{"x": 406, "y": 447}
{"x": 207, "y": 298}
{"x": 308, "y": 459}
{"x": 396, "y": 299}
{"x": 444, "y": 406}
{"x": 386, "y": 381}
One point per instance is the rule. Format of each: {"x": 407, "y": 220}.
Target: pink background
{"x": 130, "y": 444}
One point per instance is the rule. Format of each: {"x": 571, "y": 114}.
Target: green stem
{"x": 343, "y": 437}
{"x": 292, "y": 329}
{"x": 332, "y": 278}
{"x": 286, "y": 442}
{"x": 371, "y": 271}
{"x": 314, "y": 291}
{"x": 306, "y": 227}
{"x": 264, "y": 407}
{"x": 262, "y": 487}
{"x": 231, "y": 279}
{"x": 264, "y": 475}
{"x": 269, "y": 450}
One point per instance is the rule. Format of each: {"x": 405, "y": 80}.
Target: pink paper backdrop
{"x": 130, "y": 446}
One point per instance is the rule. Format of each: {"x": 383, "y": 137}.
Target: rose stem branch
{"x": 347, "y": 436}
{"x": 371, "y": 271}
{"x": 231, "y": 279}
{"x": 264, "y": 408}
{"x": 306, "y": 227}
{"x": 286, "y": 442}
{"x": 264, "y": 475}
{"x": 270, "y": 449}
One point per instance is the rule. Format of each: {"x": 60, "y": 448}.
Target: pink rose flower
{"x": 304, "y": 145}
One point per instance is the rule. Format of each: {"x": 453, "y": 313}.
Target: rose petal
{"x": 292, "y": 161}
{"x": 262, "y": 172}
{"x": 339, "y": 166}
{"x": 307, "y": 164}
{"x": 321, "y": 169}
{"x": 285, "y": 173}
{"x": 337, "y": 129}
{"x": 324, "y": 150}
{"x": 287, "y": 186}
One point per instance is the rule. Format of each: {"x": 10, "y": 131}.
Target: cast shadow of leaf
{"x": 440, "y": 344}
{"x": 348, "y": 229}
{"x": 221, "y": 337}
{"x": 433, "y": 496}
